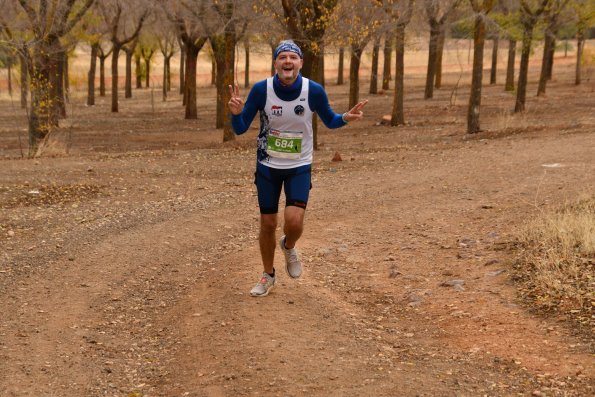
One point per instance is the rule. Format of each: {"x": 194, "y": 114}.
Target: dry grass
{"x": 556, "y": 262}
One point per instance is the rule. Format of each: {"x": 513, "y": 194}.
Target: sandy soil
{"x": 128, "y": 250}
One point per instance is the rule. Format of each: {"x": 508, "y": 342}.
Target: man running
{"x": 286, "y": 102}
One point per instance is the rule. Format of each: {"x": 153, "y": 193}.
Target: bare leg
{"x": 267, "y": 240}
{"x": 293, "y": 225}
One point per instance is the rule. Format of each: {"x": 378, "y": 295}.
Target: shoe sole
{"x": 281, "y": 244}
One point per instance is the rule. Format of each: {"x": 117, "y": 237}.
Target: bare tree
{"x": 124, "y": 20}
{"x": 167, "y": 46}
{"x": 389, "y": 36}
{"x": 46, "y": 23}
{"x": 341, "y": 66}
{"x": 362, "y": 28}
{"x": 102, "y": 55}
{"x": 481, "y": 8}
{"x": 186, "y": 17}
{"x": 531, "y": 11}
{"x": 147, "y": 51}
{"x": 226, "y": 26}
{"x": 437, "y": 13}
{"x": 374, "y": 74}
{"x": 585, "y": 17}
{"x": 508, "y": 23}
{"x": 182, "y": 63}
{"x": 400, "y": 13}
{"x": 130, "y": 50}
{"x": 93, "y": 32}
{"x": 307, "y": 21}
{"x": 552, "y": 25}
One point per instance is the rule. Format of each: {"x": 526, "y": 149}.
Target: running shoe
{"x": 264, "y": 285}
{"x": 293, "y": 266}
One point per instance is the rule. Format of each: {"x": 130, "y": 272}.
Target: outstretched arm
{"x": 318, "y": 101}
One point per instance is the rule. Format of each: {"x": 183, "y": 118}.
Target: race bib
{"x": 284, "y": 144}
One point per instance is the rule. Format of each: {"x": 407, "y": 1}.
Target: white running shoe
{"x": 264, "y": 285}
{"x": 293, "y": 266}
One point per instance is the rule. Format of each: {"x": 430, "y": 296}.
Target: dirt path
{"x": 151, "y": 297}
{"x": 125, "y": 265}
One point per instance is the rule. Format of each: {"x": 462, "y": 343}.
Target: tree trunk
{"x": 397, "y": 117}
{"x": 432, "y": 56}
{"x": 226, "y": 80}
{"x": 247, "y": 64}
{"x": 356, "y": 54}
{"x": 524, "y": 69}
{"x": 138, "y": 71}
{"x": 387, "y": 52}
{"x": 509, "y": 86}
{"x": 494, "y": 69}
{"x": 313, "y": 72}
{"x": 57, "y": 84}
{"x": 164, "y": 83}
{"x": 341, "y": 66}
{"x": 224, "y": 55}
{"x": 580, "y": 45}
{"x": 321, "y": 67}
{"x": 182, "y": 65}
{"x": 313, "y": 62}
{"x": 550, "y": 63}
{"x": 102, "y": 75}
{"x": 42, "y": 96}
{"x": 439, "y": 53}
{"x": 168, "y": 65}
{"x": 91, "y": 76}
{"x": 9, "y": 70}
{"x": 148, "y": 72}
{"x": 374, "y": 76}
{"x": 190, "y": 81}
{"x": 547, "y": 46}
{"x": 477, "y": 74}
{"x": 66, "y": 78}
{"x": 24, "y": 82}
{"x": 128, "y": 83}
{"x": 115, "y": 54}
{"x": 214, "y": 72}
{"x": 273, "y": 59}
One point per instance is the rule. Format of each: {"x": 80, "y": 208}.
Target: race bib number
{"x": 284, "y": 144}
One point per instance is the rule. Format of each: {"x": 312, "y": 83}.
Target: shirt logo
{"x": 302, "y": 99}
{"x": 277, "y": 110}
{"x": 299, "y": 110}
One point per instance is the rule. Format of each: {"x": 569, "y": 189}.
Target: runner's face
{"x": 287, "y": 65}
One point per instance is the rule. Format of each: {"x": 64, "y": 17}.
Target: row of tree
{"x": 40, "y": 34}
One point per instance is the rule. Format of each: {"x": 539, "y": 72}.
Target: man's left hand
{"x": 356, "y": 112}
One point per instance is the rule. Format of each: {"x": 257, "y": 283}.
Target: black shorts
{"x": 296, "y": 183}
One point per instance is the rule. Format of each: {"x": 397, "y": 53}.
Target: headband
{"x": 287, "y": 46}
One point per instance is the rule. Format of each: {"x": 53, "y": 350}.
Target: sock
{"x": 272, "y": 274}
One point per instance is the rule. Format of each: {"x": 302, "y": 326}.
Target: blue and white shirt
{"x": 286, "y": 113}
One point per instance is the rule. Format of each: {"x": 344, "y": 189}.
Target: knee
{"x": 268, "y": 224}
{"x": 293, "y": 223}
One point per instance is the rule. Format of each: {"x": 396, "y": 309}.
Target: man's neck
{"x": 286, "y": 84}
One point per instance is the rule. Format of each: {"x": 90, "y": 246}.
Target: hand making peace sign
{"x": 356, "y": 112}
{"x": 236, "y": 103}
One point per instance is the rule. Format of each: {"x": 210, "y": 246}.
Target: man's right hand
{"x": 236, "y": 103}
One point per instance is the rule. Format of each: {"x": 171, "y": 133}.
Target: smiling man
{"x": 286, "y": 103}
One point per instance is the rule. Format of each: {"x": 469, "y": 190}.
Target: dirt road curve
{"x": 128, "y": 274}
